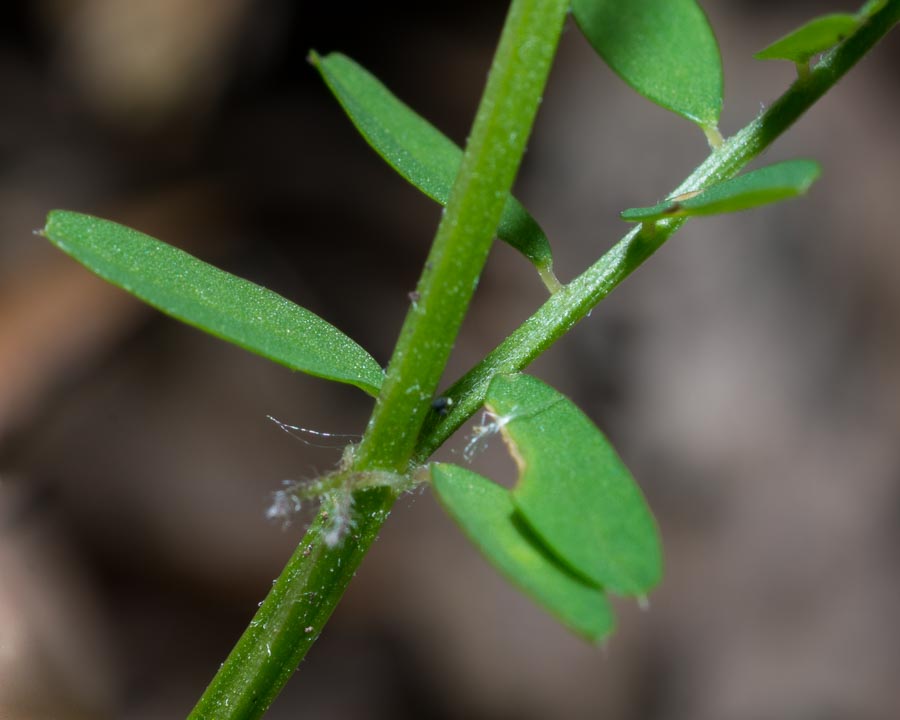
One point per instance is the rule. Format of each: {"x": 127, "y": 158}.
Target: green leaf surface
{"x": 487, "y": 515}
{"x": 814, "y": 37}
{"x": 664, "y": 49}
{"x": 759, "y": 187}
{"x": 573, "y": 490}
{"x": 201, "y": 295}
{"x": 417, "y": 150}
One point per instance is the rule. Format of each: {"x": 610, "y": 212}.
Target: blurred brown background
{"x": 749, "y": 374}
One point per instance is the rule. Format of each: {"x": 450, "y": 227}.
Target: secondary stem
{"x": 565, "y": 308}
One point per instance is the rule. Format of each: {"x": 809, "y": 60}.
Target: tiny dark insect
{"x": 442, "y": 405}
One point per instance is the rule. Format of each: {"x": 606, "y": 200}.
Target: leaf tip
{"x": 54, "y": 218}
{"x": 51, "y": 216}
{"x": 664, "y": 50}
{"x": 815, "y": 172}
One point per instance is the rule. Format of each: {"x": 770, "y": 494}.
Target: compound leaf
{"x": 664, "y": 49}
{"x": 223, "y": 305}
{"x": 759, "y": 187}
{"x": 814, "y": 37}
{"x": 573, "y": 490}
{"x": 421, "y": 153}
{"x": 487, "y": 515}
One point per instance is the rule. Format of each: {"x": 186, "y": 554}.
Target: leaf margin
{"x": 615, "y": 543}
{"x": 587, "y": 14}
{"x": 518, "y": 228}
{"x": 517, "y": 553}
{"x": 714, "y": 199}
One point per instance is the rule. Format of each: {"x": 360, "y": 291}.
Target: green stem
{"x": 578, "y": 298}
{"x": 466, "y": 231}
{"x": 312, "y": 583}
{"x": 292, "y": 616}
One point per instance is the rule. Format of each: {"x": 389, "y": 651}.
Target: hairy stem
{"x": 293, "y": 614}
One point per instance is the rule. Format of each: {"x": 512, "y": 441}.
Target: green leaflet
{"x": 573, "y": 490}
{"x": 814, "y": 37}
{"x": 423, "y": 155}
{"x": 486, "y": 513}
{"x": 664, "y": 49}
{"x": 759, "y": 187}
{"x": 575, "y": 526}
{"x": 201, "y": 295}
